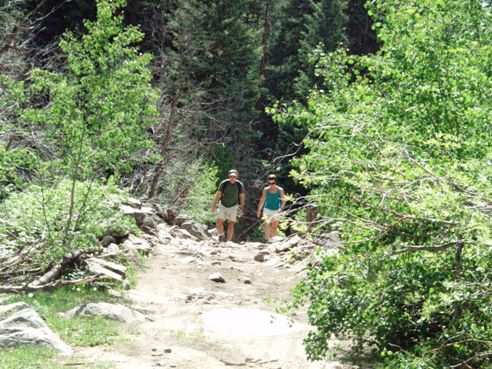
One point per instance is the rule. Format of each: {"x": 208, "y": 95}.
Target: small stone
{"x": 216, "y": 277}
{"x": 168, "y": 351}
{"x": 247, "y": 281}
{"x": 260, "y": 257}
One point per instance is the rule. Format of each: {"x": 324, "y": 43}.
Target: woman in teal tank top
{"x": 272, "y": 202}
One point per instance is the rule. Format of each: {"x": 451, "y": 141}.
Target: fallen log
{"x": 56, "y": 271}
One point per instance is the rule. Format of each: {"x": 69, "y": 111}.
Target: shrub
{"x": 399, "y": 157}
{"x": 34, "y": 222}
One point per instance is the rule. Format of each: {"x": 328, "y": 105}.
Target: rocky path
{"x": 196, "y": 323}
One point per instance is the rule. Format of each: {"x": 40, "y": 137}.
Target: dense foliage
{"x": 399, "y": 160}
{"x": 165, "y": 96}
{"x": 33, "y": 222}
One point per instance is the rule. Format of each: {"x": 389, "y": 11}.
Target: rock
{"x": 99, "y": 270}
{"x": 20, "y": 325}
{"x": 119, "y": 233}
{"x": 202, "y": 296}
{"x": 131, "y": 251}
{"x": 106, "y": 310}
{"x": 107, "y": 240}
{"x": 182, "y": 233}
{"x": 149, "y": 222}
{"x": 139, "y": 243}
{"x": 196, "y": 229}
{"x": 133, "y": 202}
{"x": 111, "y": 250}
{"x": 288, "y": 244}
{"x": 246, "y": 280}
{"x": 274, "y": 262}
{"x": 260, "y": 257}
{"x": 170, "y": 216}
{"x": 216, "y": 277}
{"x": 180, "y": 219}
{"x": 332, "y": 240}
{"x": 116, "y": 268}
{"x": 168, "y": 351}
{"x": 138, "y": 214}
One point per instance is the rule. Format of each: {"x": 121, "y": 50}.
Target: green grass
{"x": 42, "y": 358}
{"x": 77, "y": 331}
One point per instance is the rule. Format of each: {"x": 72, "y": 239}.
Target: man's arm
{"x": 262, "y": 201}
{"x": 216, "y": 201}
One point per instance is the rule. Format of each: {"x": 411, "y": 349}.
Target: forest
{"x": 377, "y": 114}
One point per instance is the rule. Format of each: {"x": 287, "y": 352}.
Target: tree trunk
{"x": 266, "y": 28}
{"x": 164, "y": 146}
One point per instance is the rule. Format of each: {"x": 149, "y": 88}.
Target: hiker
{"x": 230, "y": 194}
{"x": 272, "y": 202}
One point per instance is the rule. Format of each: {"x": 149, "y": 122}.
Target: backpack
{"x": 227, "y": 183}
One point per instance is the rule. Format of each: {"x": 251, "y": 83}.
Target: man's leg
{"x": 230, "y": 230}
{"x": 220, "y": 226}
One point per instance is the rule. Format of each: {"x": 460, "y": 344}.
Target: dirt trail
{"x": 195, "y": 323}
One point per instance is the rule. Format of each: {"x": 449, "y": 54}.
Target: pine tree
{"x": 300, "y": 26}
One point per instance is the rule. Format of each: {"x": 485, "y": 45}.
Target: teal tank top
{"x": 272, "y": 201}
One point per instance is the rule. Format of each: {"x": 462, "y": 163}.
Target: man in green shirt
{"x": 230, "y": 194}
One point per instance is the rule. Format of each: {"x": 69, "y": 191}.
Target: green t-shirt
{"x": 230, "y": 193}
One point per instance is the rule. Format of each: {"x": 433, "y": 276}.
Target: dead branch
{"x": 56, "y": 271}
{"x": 410, "y": 249}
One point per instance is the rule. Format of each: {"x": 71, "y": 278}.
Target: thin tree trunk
{"x": 264, "y": 41}
{"x": 164, "y": 146}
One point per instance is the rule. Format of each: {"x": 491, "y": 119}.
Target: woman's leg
{"x": 267, "y": 230}
{"x": 274, "y": 225}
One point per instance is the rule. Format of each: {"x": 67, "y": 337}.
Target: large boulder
{"x": 108, "y": 266}
{"x": 106, "y": 310}
{"x": 140, "y": 214}
{"x": 139, "y": 243}
{"x": 20, "y": 325}
{"x": 196, "y": 229}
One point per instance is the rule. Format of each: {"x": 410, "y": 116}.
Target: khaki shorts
{"x": 227, "y": 213}
{"x": 271, "y": 215}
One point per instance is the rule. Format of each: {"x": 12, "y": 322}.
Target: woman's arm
{"x": 282, "y": 199}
